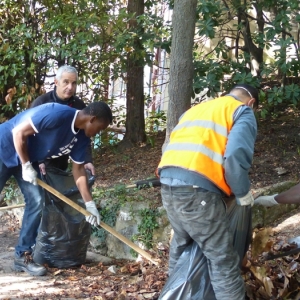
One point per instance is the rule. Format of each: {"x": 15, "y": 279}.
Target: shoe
{"x": 26, "y": 264}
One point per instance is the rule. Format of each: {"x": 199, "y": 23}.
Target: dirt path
{"x": 13, "y": 285}
{"x": 20, "y": 285}
{"x": 100, "y": 278}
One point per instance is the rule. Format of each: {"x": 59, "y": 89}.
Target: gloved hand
{"x": 94, "y": 218}
{"x": 42, "y": 167}
{"x": 267, "y": 201}
{"x": 246, "y": 200}
{"x": 89, "y": 166}
{"x": 28, "y": 173}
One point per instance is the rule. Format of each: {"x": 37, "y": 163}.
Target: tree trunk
{"x": 255, "y": 51}
{"x": 135, "y": 120}
{"x": 181, "y": 62}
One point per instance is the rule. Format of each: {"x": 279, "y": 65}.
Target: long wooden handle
{"x": 103, "y": 225}
{"x": 12, "y": 206}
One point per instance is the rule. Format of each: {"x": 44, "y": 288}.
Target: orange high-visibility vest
{"x": 199, "y": 140}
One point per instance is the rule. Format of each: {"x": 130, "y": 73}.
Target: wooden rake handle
{"x": 103, "y": 225}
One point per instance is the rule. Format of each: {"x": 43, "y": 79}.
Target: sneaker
{"x": 26, "y": 264}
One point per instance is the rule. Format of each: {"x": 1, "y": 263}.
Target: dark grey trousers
{"x": 199, "y": 215}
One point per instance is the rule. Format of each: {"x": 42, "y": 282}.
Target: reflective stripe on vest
{"x": 199, "y": 140}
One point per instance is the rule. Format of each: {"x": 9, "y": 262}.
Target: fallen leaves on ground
{"x": 277, "y": 278}
{"x": 124, "y": 280}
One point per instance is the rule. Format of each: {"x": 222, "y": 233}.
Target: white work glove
{"x": 246, "y": 200}
{"x": 90, "y": 167}
{"x": 42, "y": 167}
{"x": 266, "y": 200}
{"x": 28, "y": 173}
{"x": 94, "y": 218}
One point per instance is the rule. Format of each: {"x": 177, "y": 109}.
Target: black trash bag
{"x": 190, "y": 278}
{"x": 64, "y": 234}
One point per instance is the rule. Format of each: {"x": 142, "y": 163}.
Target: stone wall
{"x": 128, "y": 220}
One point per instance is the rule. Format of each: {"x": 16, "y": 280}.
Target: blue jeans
{"x": 33, "y": 206}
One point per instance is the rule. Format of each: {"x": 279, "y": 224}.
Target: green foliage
{"x": 146, "y": 227}
{"x": 92, "y": 35}
{"x": 138, "y": 43}
{"x": 119, "y": 113}
{"x": 10, "y": 190}
{"x": 262, "y": 98}
{"x": 208, "y": 76}
{"x": 151, "y": 140}
{"x": 107, "y": 138}
{"x": 275, "y": 98}
{"x": 117, "y": 197}
{"x": 219, "y": 64}
{"x": 209, "y": 12}
{"x": 155, "y": 121}
{"x": 118, "y": 193}
{"x": 275, "y": 95}
{"x": 292, "y": 93}
{"x": 108, "y": 216}
{"x": 245, "y": 78}
{"x": 49, "y": 37}
{"x": 36, "y": 37}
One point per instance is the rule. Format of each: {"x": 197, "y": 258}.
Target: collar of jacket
{"x": 235, "y": 97}
{"x": 68, "y": 102}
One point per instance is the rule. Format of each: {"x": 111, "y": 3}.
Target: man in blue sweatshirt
{"x": 44, "y": 132}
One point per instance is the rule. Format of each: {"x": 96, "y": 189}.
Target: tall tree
{"x": 181, "y": 61}
{"x": 135, "y": 120}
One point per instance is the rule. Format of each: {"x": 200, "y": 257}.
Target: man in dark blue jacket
{"x": 64, "y": 93}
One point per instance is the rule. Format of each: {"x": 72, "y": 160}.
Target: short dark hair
{"x": 99, "y": 109}
{"x": 248, "y": 90}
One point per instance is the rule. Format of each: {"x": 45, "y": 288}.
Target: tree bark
{"x": 181, "y": 62}
{"x": 255, "y": 51}
{"x": 135, "y": 120}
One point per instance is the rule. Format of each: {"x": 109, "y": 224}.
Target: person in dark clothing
{"x": 64, "y": 93}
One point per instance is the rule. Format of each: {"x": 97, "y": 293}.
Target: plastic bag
{"x": 190, "y": 278}
{"x": 64, "y": 234}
